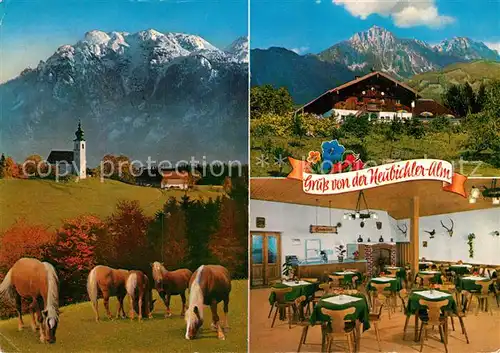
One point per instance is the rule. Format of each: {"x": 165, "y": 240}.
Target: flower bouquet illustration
{"x": 333, "y": 158}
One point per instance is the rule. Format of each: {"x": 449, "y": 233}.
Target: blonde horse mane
{"x": 52, "y": 305}
{"x": 196, "y": 294}
{"x": 158, "y": 271}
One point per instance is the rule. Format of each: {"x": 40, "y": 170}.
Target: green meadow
{"x": 48, "y": 202}
{"x": 78, "y": 331}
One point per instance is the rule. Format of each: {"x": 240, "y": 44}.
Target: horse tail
{"x": 92, "y": 287}
{"x": 131, "y": 284}
{"x": 7, "y": 289}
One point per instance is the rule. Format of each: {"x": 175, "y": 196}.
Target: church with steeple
{"x": 71, "y": 162}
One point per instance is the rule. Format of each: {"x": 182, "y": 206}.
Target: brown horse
{"x": 170, "y": 283}
{"x": 140, "y": 294}
{"x": 111, "y": 282}
{"x": 209, "y": 285}
{"x": 30, "y": 278}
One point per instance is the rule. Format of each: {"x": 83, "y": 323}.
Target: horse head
{"x": 50, "y": 321}
{"x": 194, "y": 322}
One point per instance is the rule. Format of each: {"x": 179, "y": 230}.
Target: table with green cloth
{"x": 394, "y": 283}
{"x": 348, "y": 275}
{"x": 414, "y": 307}
{"x": 298, "y": 289}
{"x": 469, "y": 283}
{"x": 437, "y": 276}
{"x": 460, "y": 269}
{"x": 342, "y": 302}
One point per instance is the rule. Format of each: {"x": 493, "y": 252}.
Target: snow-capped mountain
{"x": 375, "y": 48}
{"x": 168, "y": 95}
{"x": 467, "y": 49}
{"x": 380, "y": 49}
{"x": 239, "y": 48}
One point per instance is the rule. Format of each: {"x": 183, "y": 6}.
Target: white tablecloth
{"x": 475, "y": 278}
{"x": 433, "y": 295}
{"x": 341, "y": 299}
{"x": 383, "y": 279}
{"x": 293, "y": 284}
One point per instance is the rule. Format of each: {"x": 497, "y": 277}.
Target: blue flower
{"x": 332, "y": 151}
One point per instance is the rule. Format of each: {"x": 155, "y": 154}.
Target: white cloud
{"x": 494, "y": 46}
{"x": 300, "y": 50}
{"x": 405, "y": 13}
{"x": 317, "y": 1}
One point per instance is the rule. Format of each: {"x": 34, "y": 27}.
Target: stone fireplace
{"x": 377, "y": 256}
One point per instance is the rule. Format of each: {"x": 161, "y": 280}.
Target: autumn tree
{"x": 9, "y": 168}
{"x": 167, "y": 235}
{"x": 34, "y": 165}
{"x": 74, "y": 254}
{"x": 126, "y": 237}
{"x": 23, "y": 240}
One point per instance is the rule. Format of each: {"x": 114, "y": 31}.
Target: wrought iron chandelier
{"x": 492, "y": 192}
{"x": 361, "y": 212}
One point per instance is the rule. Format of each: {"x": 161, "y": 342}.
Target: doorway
{"x": 265, "y": 258}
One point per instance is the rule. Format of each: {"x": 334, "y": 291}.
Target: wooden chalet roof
{"x": 395, "y": 198}
{"x": 323, "y": 103}
{"x": 430, "y": 105}
{"x": 174, "y": 175}
{"x": 60, "y": 156}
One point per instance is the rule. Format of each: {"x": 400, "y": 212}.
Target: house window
{"x": 83, "y": 146}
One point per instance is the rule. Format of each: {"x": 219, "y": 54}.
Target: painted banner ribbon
{"x": 386, "y": 174}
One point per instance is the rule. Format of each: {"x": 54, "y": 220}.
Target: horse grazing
{"x": 140, "y": 294}
{"x": 30, "y": 278}
{"x": 170, "y": 283}
{"x": 209, "y": 285}
{"x": 111, "y": 282}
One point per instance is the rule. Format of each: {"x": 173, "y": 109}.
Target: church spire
{"x": 79, "y": 132}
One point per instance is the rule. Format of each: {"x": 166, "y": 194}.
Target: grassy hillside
{"x": 434, "y": 84}
{"x": 47, "y": 202}
{"x": 78, "y": 331}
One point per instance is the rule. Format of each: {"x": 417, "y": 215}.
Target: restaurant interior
{"x": 399, "y": 268}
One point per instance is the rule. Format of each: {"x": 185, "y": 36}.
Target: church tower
{"x": 79, "y": 157}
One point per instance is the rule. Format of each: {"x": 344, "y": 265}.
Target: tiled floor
{"x": 483, "y": 331}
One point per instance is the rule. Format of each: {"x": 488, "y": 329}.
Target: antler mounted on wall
{"x": 403, "y": 230}
{"x": 431, "y": 233}
{"x": 449, "y": 230}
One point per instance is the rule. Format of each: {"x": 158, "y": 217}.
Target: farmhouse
{"x": 71, "y": 162}
{"x": 175, "y": 180}
{"x": 380, "y": 96}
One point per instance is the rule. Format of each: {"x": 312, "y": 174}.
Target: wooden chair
{"x": 403, "y": 294}
{"x": 337, "y": 281}
{"x": 340, "y": 327}
{"x": 282, "y": 305}
{"x": 383, "y": 295}
{"x": 426, "y": 280}
{"x": 482, "y": 296}
{"x": 324, "y": 289}
{"x": 392, "y": 273}
{"x": 408, "y": 283}
{"x": 375, "y": 317}
{"x": 432, "y": 318}
{"x": 305, "y": 324}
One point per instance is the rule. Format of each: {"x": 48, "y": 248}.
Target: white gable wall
{"x": 445, "y": 248}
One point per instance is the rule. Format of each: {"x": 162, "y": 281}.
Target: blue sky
{"x": 309, "y": 26}
{"x": 33, "y": 29}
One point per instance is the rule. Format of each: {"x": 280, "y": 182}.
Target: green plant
{"x": 288, "y": 268}
{"x": 470, "y": 242}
